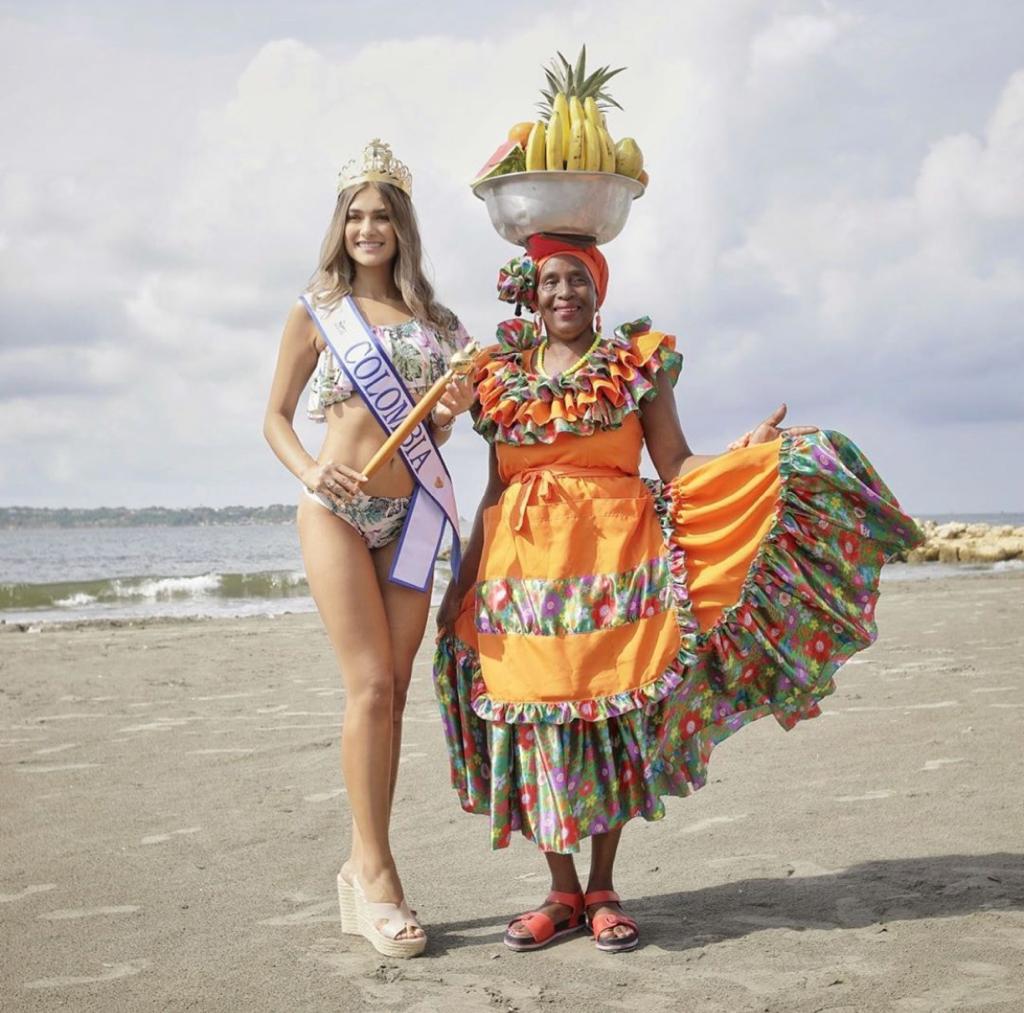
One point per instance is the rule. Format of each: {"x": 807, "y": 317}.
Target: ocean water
{"x": 72, "y": 574}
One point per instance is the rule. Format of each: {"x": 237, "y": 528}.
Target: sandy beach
{"x": 173, "y": 818}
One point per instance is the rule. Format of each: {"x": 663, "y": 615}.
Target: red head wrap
{"x": 542, "y": 248}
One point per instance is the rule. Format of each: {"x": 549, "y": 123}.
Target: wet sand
{"x": 173, "y": 818}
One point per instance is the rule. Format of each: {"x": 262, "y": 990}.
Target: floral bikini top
{"x": 420, "y": 352}
{"x": 519, "y": 405}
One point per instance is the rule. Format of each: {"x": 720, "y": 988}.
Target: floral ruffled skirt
{"x": 770, "y": 644}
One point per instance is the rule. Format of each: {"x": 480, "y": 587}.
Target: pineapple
{"x": 571, "y": 81}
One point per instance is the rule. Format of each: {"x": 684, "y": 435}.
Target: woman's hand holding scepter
{"x": 460, "y": 364}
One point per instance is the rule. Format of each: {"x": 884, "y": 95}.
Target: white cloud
{"x": 791, "y": 40}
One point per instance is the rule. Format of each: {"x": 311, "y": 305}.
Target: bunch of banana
{"x": 574, "y": 135}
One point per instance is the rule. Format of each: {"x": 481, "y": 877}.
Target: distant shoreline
{"x": 16, "y": 517}
{"x": 12, "y": 518}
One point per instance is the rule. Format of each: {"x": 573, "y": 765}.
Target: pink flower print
{"x": 570, "y": 831}
{"x": 603, "y": 611}
{"x": 498, "y": 595}
{"x": 786, "y": 542}
{"x": 690, "y": 724}
{"x": 819, "y": 646}
{"x": 825, "y": 460}
{"x": 588, "y": 710}
{"x": 849, "y": 547}
{"x": 552, "y": 603}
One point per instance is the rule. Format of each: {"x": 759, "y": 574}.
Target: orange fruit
{"x": 643, "y": 179}
{"x": 520, "y": 133}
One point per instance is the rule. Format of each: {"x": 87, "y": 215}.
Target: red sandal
{"x": 543, "y": 929}
{"x": 601, "y": 923}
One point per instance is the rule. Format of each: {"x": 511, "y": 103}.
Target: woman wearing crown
{"x": 374, "y": 339}
{"x": 606, "y": 631}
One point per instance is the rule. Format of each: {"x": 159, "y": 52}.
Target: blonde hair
{"x": 332, "y": 279}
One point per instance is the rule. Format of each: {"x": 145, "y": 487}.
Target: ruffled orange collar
{"x": 518, "y": 405}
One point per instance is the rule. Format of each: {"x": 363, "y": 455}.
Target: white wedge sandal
{"x": 380, "y": 923}
{"x": 347, "y": 906}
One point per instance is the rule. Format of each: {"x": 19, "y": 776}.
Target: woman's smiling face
{"x": 566, "y": 297}
{"x": 370, "y": 238}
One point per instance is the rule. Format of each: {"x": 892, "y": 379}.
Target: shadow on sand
{"x": 865, "y": 896}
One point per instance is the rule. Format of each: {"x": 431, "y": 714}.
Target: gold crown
{"x": 377, "y": 165}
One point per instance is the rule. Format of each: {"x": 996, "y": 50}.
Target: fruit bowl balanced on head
{"x": 563, "y": 173}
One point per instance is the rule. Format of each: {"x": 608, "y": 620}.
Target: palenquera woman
{"x": 374, "y": 339}
{"x": 608, "y": 631}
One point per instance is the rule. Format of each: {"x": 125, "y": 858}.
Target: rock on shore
{"x": 960, "y": 542}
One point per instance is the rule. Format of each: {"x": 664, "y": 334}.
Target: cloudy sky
{"x": 835, "y": 219}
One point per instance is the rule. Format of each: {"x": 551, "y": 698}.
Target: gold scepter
{"x": 459, "y": 364}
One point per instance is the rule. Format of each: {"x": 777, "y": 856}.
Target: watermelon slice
{"x": 508, "y": 157}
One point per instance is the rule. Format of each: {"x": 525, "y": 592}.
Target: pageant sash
{"x": 371, "y": 372}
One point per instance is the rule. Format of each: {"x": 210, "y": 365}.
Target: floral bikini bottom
{"x": 377, "y": 519}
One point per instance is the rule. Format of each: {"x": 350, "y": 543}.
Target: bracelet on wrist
{"x": 441, "y": 427}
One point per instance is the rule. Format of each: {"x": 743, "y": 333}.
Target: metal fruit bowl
{"x": 594, "y": 204}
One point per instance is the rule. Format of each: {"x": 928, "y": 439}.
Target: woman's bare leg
{"x": 406, "y": 612}
{"x": 564, "y": 880}
{"x": 343, "y": 581}
{"x": 602, "y": 865}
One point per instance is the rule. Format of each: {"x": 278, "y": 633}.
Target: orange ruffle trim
{"x": 518, "y": 405}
